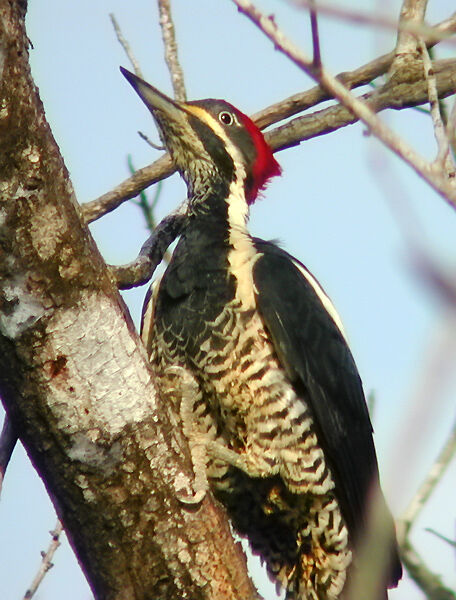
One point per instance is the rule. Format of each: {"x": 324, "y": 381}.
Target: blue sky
{"x": 344, "y": 206}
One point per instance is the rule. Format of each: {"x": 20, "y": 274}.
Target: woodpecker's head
{"x": 211, "y": 142}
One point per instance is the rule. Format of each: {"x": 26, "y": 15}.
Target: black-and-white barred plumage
{"x": 277, "y": 399}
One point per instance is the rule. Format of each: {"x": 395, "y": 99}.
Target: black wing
{"x": 313, "y": 350}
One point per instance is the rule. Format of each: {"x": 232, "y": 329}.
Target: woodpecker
{"x": 278, "y": 393}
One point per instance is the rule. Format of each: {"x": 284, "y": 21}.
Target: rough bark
{"x": 75, "y": 380}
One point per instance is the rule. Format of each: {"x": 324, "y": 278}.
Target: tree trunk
{"x": 76, "y": 382}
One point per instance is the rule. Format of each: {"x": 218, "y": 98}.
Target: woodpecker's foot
{"x": 137, "y": 272}
{"x": 196, "y": 490}
{"x": 243, "y": 462}
{"x": 152, "y": 252}
{"x": 195, "y": 498}
{"x": 190, "y": 394}
{"x": 251, "y": 463}
{"x": 219, "y": 451}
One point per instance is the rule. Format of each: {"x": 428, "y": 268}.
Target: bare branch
{"x": 8, "y": 440}
{"x": 443, "y": 159}
{"x": 443, "y": 186}
{"x": 397, "y": 95}
{"x": 380, "y": 20}
{"x": 452, "y": 543}
{"x": 150, "y": 142}
{"x": 351, "y": 79}
{"x": 294, "y": 133}
{"x": 169, "y": 40}
{"x": 129, "y": 188}
{"x": 435, "y": 474}
{"x": 402, "y": 96}
{"x": 426, "y": 579}
{"x": 429, "y": 583}
{"x": 125, "y": 45}
{"x": 412, "y": 13}
{"x": 316, "y": 60}
{"x": 451, "y": 127}
{"x": 46, "y": 562}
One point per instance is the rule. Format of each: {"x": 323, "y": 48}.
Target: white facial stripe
{"x": 238, "y": 209}
{"x": 206, "y": 117}
{"x": 324, "y": 299}
{"x": 243, "y": 254}
{"x": 217, "y": 128}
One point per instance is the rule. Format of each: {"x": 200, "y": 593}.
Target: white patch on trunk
{"x": 22, "y": 307}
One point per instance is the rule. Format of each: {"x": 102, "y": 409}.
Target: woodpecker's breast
{"x": 205, "y": 311}
{"x": 206, "y": 319}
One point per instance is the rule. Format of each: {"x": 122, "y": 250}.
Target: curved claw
{"x": 152, "y": 252}
{"x": 187, "y": 498}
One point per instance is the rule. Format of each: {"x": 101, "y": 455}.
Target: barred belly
{"x": 248, "y": 403}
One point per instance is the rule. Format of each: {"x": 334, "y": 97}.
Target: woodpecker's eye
{"x": 226, "y": 118}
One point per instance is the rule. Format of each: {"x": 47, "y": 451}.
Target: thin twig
{"x": 150, "y": 142}
{"x": 412, "y": 15}
{"x": 435, "y": 474}
{"x": 169, "y": 41}
{"x": 268, "y": 26}
{"x": 126, "y": 46}
{"x": 8, "y": 440}
{"x": 46, "y": 562}
{"x": 316, "y": 59}
{"x": 442, "y": 105}
{"x": 146, "y": 207}
{"x": 137, "y": 69}
{"x": 452, "y": 543}
{"x": 451, "y": 127}
{"x": 160, "y": 169}
{"x": 427, "y": 581}
{"x": 443, "y": 159}
{"x": 380, "y": 20}
{"x": 398, "y": 95}
{"x": 352, "y": 79}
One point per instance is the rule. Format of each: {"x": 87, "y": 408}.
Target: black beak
{"x": 163, "y": 108}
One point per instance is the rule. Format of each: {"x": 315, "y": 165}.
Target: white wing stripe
{"x": 324, "y": 299}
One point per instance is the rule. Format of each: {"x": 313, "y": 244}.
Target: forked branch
{"x": 444, "y": 186}
{"x": 396, "y": 94}
{"x": 171, "y": 58}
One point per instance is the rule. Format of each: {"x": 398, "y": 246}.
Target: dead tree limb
{"x": 397, "y": 95}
